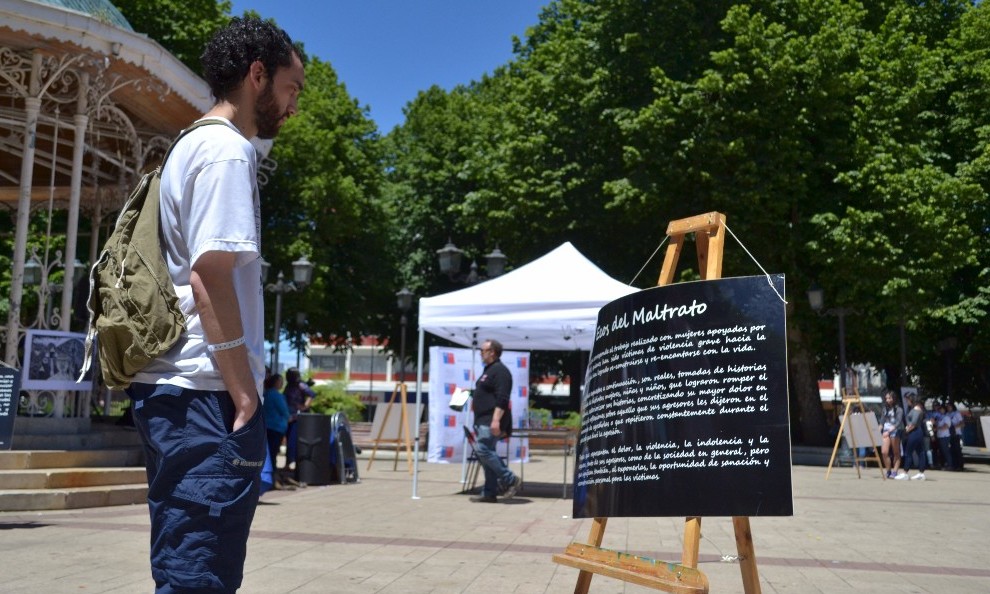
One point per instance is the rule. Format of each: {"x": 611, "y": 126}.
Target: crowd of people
{"x": 918, "y": 438}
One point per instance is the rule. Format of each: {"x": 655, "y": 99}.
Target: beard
{"x": 267, "y": 114}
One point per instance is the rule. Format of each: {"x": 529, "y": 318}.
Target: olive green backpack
{"x": 134, "y": 313}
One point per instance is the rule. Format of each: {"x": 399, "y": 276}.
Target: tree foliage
{"x": 181, "y": 26}
{"x": 847, "y": 143}
{"x": 323, "y": 202}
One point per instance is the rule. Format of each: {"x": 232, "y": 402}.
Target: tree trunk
{"x": 810, "y": 416}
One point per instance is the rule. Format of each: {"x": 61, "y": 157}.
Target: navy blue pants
{"x": 915, "y": 447}
{"x": 203, "y": 486}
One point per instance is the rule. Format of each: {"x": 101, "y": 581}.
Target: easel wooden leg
{"x": 692, "y": 541}
{"x": 747, "y": 555}
{"x": 378, "y": 438}
{"x": 838, "y": 440}
{"x": 594, "y": 539}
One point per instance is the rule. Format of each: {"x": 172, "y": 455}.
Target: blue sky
{"x": 386, "y": 51}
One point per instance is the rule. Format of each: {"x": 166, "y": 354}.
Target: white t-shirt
{"x": 210, "y": 202}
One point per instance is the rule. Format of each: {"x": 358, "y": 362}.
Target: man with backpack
{"x": 197, "y": 407}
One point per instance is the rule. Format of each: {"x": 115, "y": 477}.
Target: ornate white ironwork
{"x": 15, "y": 71}
{"x": 48, "y": 317}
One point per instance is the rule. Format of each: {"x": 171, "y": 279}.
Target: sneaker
{"x": 484, "y": 499}
{"x": 918, "y": 477}
{"x": 901, "y": 476}
{"x": 278, "y": 486}
{"x": 511, "y": 490}
{"x": 890, "y": 474}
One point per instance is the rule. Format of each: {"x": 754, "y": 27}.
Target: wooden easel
{"x": 709, "y": 230}
{"x": 849, "y": 401}
{"x": 403, "y": 436}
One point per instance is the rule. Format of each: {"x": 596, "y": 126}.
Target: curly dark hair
{"x": 229, "y": 54}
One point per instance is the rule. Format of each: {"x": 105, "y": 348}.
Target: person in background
{"x": 492, "y": 422}
{"x": 197, "y": 407}
{"x": 276, "y": 417}
{"x": 893, "y": 429}
{"x": 943, "y": 433}
{"x": 298, "y": 397}
{"x": 914, "y": 431}
{"x": 956, "y": 419}
{"x": 930, "y": 441}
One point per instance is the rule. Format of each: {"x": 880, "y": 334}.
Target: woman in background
{"x": 914, "y": 431}
{"x": 299, "y": 397}
{"x": 893, "y": 428}
{"x": 276, "y": 414}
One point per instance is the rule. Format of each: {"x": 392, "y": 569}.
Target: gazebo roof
{"x": 101, "y": 10}
{"x": 145, "y": 85}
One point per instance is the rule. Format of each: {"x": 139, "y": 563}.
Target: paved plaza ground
{"x": 847, "y": 534}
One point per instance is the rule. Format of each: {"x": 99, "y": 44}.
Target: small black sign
{"x": 685, "y": 410}
{"x": 10, "y": 388}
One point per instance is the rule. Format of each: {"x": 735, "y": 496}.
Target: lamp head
{"x": 404, "y": 299}
{"x": 302, "y": 272}
{"x": 496, "y": 263}
{"x": 816, "y": 297}
{"x": 265, "y": 268}
{"x": 79, "y": 271}
{"x": 449, "y": 257}
{"x": 32, "y": 272}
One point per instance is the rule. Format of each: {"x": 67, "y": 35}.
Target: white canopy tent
{"x": 550, "y": 304}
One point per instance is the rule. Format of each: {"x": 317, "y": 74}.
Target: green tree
{"x": 428, "y": 179}
{"x": 964, "y": 303}
{"x": 182, "y": 27}
{"x": 323, "y": 201}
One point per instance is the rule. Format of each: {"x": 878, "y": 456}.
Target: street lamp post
{"x": 946, "y": 346}
{"x": 903, "y": 336}
{"x": 302, "y": 275}
{"x": 301, "y": 320}
{"x": 449, "y": 258}
{"x": 404, "y": 299}
{"x": 816, "y": 298}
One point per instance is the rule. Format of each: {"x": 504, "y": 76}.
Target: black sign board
{"x": 10, "y": 388}
{"x": 685, "y": 410}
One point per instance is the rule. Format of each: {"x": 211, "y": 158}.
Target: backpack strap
{"x": 182, "y": 134}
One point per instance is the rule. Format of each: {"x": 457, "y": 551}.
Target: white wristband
{"x": 223, "y": 346}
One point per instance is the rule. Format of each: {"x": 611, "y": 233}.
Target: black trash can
{"x": 313, "y": 449}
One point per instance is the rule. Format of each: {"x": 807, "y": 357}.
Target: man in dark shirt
{"x": 492, "y": 422}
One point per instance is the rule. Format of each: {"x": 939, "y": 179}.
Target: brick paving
{"x": 848, "y": 534}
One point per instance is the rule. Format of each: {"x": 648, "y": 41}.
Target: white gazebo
{"x": 86, "y": 105}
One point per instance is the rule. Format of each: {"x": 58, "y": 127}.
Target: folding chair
{"x": 473, "y": 464}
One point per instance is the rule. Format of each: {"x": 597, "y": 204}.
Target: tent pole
{"x": 419, "y": 412}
